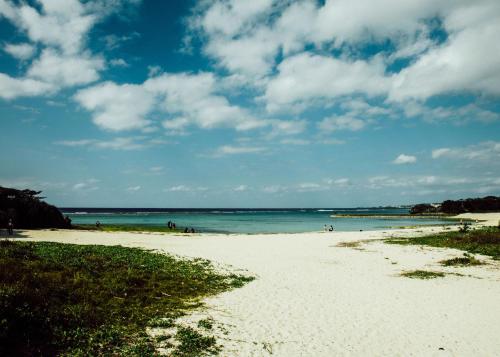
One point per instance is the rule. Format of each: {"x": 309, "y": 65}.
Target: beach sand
{"x": 314, "y": 298}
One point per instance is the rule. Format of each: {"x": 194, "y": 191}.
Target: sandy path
{"x": 312, "y": 298}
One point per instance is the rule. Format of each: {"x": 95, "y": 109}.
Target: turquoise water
{"x": 251, "y": 221}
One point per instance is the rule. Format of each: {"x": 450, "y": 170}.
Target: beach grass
{"x": 422, "y": 274}
{"x": 485, "y": 241}
{"x": 77, "y": 300}
{"x": 127, "y": 228}
{"x": 465, "y": 260}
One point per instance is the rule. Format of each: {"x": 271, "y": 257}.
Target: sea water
{"x": 253, "y": 220}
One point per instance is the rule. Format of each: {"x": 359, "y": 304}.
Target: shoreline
{"x": 316, "y": 297}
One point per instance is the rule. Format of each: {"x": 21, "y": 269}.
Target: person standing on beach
{"x": 10, "y": 227}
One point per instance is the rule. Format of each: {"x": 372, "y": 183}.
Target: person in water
{"x": 331, "y": 228}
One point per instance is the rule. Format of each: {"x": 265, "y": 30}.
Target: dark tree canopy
{"x": 27, "y": 210}
{"x": 485, "y": 204}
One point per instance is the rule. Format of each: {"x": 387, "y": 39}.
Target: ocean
{"x": 252, "y": 221}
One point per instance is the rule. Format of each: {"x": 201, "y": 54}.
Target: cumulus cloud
{"x": 21, "y": 51}
{"x": 187, "y": 99}
{"x": 404, "y": 159}
{"x": 306, "y": 77}
{"x": 335, "y": 123}
{"x": 65, "y": 71}
{"x": 253, "y": 39}
{"x": 14, "y": 87}
{"x": 117, "y": 107}
{"x": 61, "y": 27}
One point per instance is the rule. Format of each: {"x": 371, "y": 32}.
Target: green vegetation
{"x": 355, "y": 244}
{"x": 74, "y": 300}
{"x": 465, "y": 260}
{"x": 207, "y": 324}
{"x": 484, "y": 241}
{"x": 193, "y": 343}
{"x": 128, "y": 228}
{"x": 422, "y": 274}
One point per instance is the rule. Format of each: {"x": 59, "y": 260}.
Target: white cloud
{"x": 119, "y": 62}
{"x": 229, "y": 18}
{"x": 310, "y": 187}
{"x": 236, "y": 150}
{"x": 184, "y": 188}
{"x": 436, "y": 154}
{"x": 113, "y": 41}
{"x": 62, "y": 28}
{"x": 86, "y": 186}
{"x": 306, "y": 77}
{"x": 179, "y": 188}
{"x": 341, "y": 182}
{"x": 240, "y": 188}
{"x": 335, "y": 123}
{"x": 61, "y": 24}
{"x": 456, "y": 114}
{"x": 404, "y": 159}
{"x": 188, "y": 99}
{"x": 117, "y": 107}
{"x": 488, "y": 151}
{"x": 65, "y": 71}
{"x": 21, "y": 51}
{"x": 15, "y": 87}
{"x": 248, "y": 43}
{"x": 75, "y": 143}
{"x": 120, "y": 143}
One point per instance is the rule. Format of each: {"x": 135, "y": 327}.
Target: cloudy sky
{"x": 262, "y": 103}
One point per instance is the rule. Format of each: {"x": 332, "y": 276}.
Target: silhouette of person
{"x": 10, "y": 227}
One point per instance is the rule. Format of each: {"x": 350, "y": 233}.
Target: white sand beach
{"x": 314, "y": 298}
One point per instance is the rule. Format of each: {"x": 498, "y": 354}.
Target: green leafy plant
{"x": 75, "y": 300}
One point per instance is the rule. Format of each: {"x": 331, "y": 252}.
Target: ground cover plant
{"x": 485, "y": 241}
{"x": 127, "y": 228}
{"x": 422, "y": 274}
{"x": 75, "y": 300}
{"x": 465, "y": 260}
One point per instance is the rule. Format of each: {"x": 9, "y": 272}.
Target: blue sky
{"x": 264, "y": 103}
